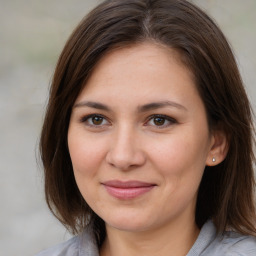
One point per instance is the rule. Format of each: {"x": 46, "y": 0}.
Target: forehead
{"x": 140, "y": 75}
{"x": 142, "y": 60}
{"x": 148, "y": 49}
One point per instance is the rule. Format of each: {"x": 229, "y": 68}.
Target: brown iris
{"x": 159, "y": 121}
{"x": 97, "y": 120}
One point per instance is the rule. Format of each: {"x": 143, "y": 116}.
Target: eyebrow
{"x": 143, "y": 108}
{"x": 92, "y": 104}
{"x": 161, "y": 104}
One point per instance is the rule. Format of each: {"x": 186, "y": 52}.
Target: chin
{"x": 129, "y": 223}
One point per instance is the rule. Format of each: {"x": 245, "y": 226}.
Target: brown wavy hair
{"x": 226, "y": 192}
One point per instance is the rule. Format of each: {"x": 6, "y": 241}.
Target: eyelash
{"x": 165, "y": 118}
{"x": 169, "y": 119}
{"x": 85, "y": 119}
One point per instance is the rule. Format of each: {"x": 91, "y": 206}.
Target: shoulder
{"x": 82, "y": 245}
{"x": 209, "y": 243}
{"x": 234, "y": 244}
{"x": 68, "y": 248}
{"x": 231, "y": 243}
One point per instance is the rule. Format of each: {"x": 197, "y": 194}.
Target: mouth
{"x": 127, "y": 189}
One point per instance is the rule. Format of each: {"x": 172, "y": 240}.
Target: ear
{"x": 218, "y": 149}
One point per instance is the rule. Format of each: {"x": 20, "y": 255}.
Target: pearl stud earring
{"x": 214, "y": 159}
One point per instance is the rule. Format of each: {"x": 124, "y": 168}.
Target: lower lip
{"x": 127, "y": 193}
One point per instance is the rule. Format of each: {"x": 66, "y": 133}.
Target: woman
{"x": 148, "y": 135}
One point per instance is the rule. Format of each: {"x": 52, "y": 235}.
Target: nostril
{"x": 124, "y": 159}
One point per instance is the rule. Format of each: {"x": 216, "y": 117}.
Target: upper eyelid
{"x": 171, "y": 120}
{"x": 86, "y": 117}
{"x": 162, "y": 116}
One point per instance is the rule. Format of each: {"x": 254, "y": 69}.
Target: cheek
{"x": 180, "y": 155}
{"x": 86, "y": 155}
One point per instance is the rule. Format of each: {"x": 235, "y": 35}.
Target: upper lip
{"x": 127, "y": 184}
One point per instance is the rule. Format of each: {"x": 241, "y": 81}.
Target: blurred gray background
{"x": 32, "y": 34}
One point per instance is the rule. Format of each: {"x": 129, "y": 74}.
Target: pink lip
{"x": 127, "y": 189}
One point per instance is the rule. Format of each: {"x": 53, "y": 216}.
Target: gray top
{"x": 207, "y": 244}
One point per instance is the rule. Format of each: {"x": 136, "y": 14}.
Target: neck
{"x": 171, "y": 240}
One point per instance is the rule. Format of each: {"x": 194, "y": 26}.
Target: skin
{"x": 125, "y": 141}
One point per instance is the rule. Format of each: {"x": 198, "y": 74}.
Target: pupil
{"x": 159, "y": 120}
{"x": 97, "y": 120}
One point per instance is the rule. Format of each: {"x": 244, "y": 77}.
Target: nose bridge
{"x": 125, "y": 151}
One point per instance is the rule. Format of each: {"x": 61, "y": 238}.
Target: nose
{"x": 126, "y": 151}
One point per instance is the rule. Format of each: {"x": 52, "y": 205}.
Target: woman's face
{"x": 139, "y": 140}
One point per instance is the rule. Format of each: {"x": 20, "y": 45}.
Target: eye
{"x": 95, "y": 120}
{"x": 160, "y": 121}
